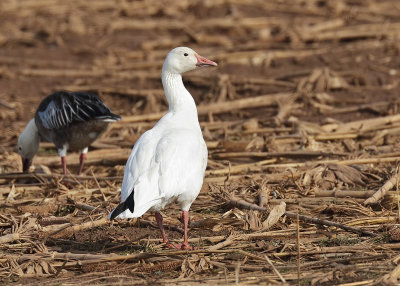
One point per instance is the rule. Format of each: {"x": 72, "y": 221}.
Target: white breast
{"x": 166, "y": 164}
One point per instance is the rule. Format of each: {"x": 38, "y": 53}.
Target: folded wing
{"x": 161, "y": 169}
{"x": 62, "y": 109}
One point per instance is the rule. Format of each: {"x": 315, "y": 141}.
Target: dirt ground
{"x": 301, "y": 118}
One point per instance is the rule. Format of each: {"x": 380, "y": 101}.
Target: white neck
{"x": 29, "y": 139}
{"x": 178, "y": 97}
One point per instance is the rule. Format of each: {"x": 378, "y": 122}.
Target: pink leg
{"x": 185, "y": 245}
{"x": 82, "y": 158}
{"x": 159, "y": 220}
{"x": 64, "y": 165}
{"x": 185, "y": 218}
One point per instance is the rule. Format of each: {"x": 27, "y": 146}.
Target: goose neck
{"x": 178, "y": 97}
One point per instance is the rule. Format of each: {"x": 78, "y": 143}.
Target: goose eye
{"x": 185, "y": 54}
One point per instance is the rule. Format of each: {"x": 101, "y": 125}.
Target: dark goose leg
{"x": 62, "y": 152}
{"x": 82, "y": 158}
{"x": 64, "y": 165}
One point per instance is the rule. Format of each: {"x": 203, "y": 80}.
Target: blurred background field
{"x": 302, "y": 109}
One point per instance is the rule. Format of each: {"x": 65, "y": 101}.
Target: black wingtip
{"x": 118, "y": 210}
{"x": 129, "y": 203}
{"x": 109, "y": 117}
{"x": 116, "y": 117}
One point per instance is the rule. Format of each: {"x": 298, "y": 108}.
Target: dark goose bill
{"x": 26, "y": 163}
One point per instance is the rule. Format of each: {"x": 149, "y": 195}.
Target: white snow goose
{"x": 71, "y": 120}
{"x": 168, "y": 162}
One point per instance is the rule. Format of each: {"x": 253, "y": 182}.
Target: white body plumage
{"x": 168, "y": 162}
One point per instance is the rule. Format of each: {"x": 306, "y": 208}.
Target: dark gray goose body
{"x": 72, "y": 121}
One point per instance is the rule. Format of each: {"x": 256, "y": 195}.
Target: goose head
{"x": 183, "y": 59}
{"x": 28, "y": 144}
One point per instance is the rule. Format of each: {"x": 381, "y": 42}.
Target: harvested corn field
{"x": 301, "y": 120}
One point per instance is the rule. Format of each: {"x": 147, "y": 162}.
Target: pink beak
{"x": 204, "y": 62}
